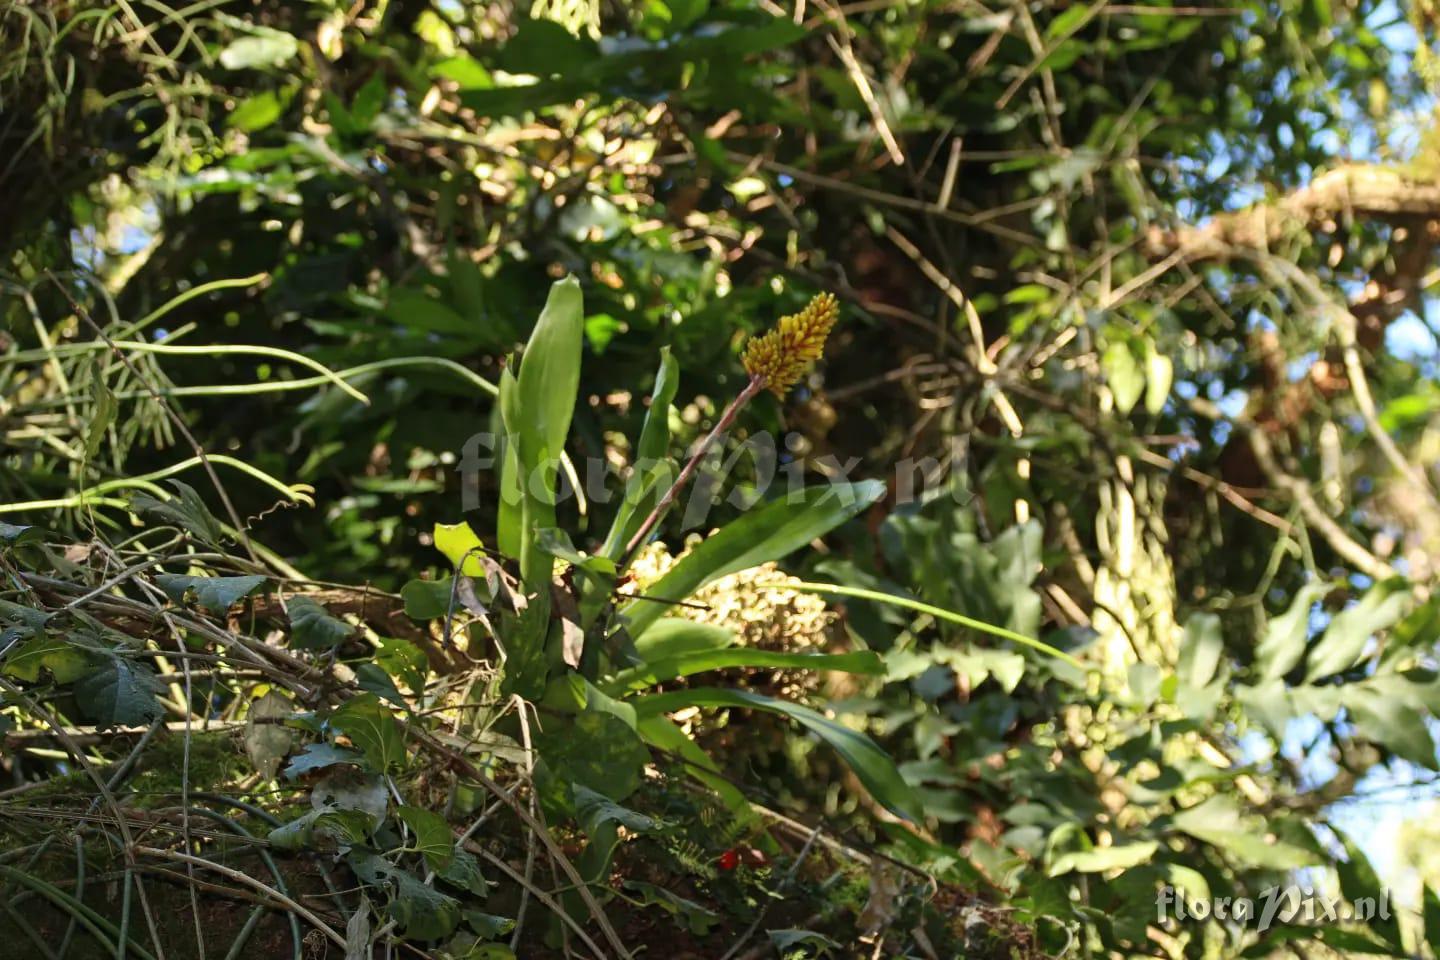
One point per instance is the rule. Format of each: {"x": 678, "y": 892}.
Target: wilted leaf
{"x": 345, "y": 788}
{"x": 267, "y": 743}
{"x": 698, "y": 919}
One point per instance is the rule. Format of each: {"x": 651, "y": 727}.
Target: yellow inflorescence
{"x": 781, "y": 357}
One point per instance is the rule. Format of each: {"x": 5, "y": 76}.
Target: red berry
{"x": 729, "y": 860}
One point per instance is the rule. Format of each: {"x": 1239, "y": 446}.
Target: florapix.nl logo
{"x": 1290, "y": 903}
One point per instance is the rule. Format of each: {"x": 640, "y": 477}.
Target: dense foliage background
{"x": 1137, "y": 295}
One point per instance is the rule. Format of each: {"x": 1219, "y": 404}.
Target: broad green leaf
{"x": 1124, "y": 376}
{"x": 1382, "y": 712}
{"x": 546, "y": 389}
{"x": 1284, "y": 642}
{"x": 462, "y": 547}
{"x": 651, "y": 454}
{"x": 655, "y": 672}
{"x": 65, "y": 661}
{"x": 373, "y": 729}
{"x": 430, "y": 836}
{"x": 318, "y": 756}
{"x": 1358, "y": 880}
{"x": 1219, "y": 821}
{"x": 312, "y": 627}
{"x": 214, "y": 593}
{"x": 1159, "y": 374}
{"x": 675, "y": 636}
{"x": 1101, "y": 859}
{"x": 426, "y": 599}
{"x": 871, "y": 764}
{"x": 1200, "y": 649}
{"x": 120, "y": 694}
{"x": 371, "y": 677}
{"x": 264, "y": 49}
{"x": 1351, "y": 629}
{"x": 256, "y": 112}
{"x": 764, "y": 534}
{"x": 596, "y": 750}
{"x": 510, "y": 512}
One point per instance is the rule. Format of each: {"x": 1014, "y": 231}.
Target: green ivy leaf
{"x": 120, "y": 694}
{"x": 312, "y": 627}
{"x": 65, "y": 662}
{"x": 214, "y": 593}
{"x": 431, "y": 836}
{"x": 599, "y": 751}
{"x": 318, "y": 756}
{"x": 463, "y": 873}
{"x": 373, "y": 729}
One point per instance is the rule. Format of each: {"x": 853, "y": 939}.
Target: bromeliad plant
{"x": 593, "y": 655}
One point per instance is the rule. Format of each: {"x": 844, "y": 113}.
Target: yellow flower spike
{"x": 781, "y": 357}
{"x": 460, "y": 544}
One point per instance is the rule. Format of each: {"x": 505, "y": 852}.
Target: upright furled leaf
{"x": 766, "y": 533}
{"x": 652, "y": 465}
{"x": 546, "y": 388}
